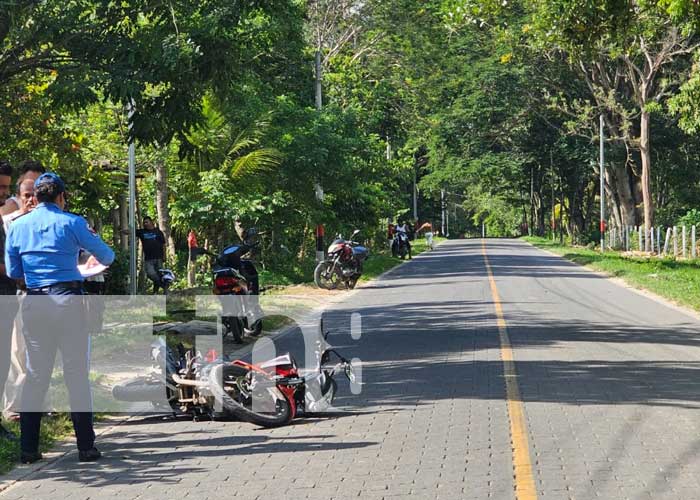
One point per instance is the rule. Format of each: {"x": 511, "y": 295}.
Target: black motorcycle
{"x": 401, "y": 246}
{"x": 234, "y": 275}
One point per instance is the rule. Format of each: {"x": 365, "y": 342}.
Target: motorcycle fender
{"x": 288, "y": 392}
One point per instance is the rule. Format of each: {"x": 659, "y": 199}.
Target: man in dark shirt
{"x": 8, "y": 298}
{"x": 153, "y": 244}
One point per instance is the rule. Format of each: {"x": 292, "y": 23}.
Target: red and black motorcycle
{"x": 343, "y": 264}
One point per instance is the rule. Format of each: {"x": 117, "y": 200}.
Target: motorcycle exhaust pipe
{"x": 136, "y": 393}
{"x": 192, "y": 383}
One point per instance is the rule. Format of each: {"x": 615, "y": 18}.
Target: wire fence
{"x": 679, "y": 242}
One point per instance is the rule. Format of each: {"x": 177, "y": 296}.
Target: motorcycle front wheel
{"x": 325, "y": 278}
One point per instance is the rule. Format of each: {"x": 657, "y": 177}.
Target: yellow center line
{"x": 522, "y": 466}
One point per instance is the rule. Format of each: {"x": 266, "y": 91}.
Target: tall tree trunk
{"x": 162, "y": 196}
{"x": 620, "y": 182}
{"x": 116, "y": 225}
{"x": 124, "y": 221}
{"x": 645, "y": 150}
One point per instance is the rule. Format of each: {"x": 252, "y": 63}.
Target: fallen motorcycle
{"x": 269, "y": 394}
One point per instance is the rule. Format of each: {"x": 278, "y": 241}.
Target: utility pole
{"x": 553, "y": 224}
{"x": 132, "y": 203}
{"x": 447, "y": 219}
{"x": 531, "y": 226}
{"x": 442, "y": 207}
{"x": 320, "y": 230}
{"x": 415, "y": 194}
{"x": 319, "y": 81}
{"x": 602, "y": 186}
{"x": 561, "y": 209}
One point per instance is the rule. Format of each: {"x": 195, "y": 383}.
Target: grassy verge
{"x": 678, "y": 281}
{"x": 53, "y": 429}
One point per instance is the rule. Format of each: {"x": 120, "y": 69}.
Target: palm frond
{"x": 257, "y": 161}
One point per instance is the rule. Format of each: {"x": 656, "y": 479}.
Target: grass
{"x": 675, "y": 280}
{"x": 53, "y": 429}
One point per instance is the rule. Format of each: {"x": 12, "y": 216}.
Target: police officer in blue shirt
{"x": 42, "y": 250}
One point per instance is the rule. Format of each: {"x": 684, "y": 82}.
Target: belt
{"x": 74, "y": 285}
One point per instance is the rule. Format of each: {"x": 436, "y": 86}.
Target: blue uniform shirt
{"x": 42, "y": 247}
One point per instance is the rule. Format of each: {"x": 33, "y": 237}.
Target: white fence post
{"x": 652, "y": 240}
{"x": 668, "y": 240}
{"x": 685, "y": 244}
{"x": 641, "y": 243}
{"x": 694, "y": 249}
{"x": 675, "y": 241}
{"x": 658, "y": 239}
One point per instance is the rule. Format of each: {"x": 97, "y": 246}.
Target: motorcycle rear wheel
{"x": 234, "y": 327}
{"x": 280, "y": 408}
{"x": 324, "y": 278}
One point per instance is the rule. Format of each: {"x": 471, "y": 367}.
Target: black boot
{"x": 91, "y": 455}
{"x": 30, "y": 458}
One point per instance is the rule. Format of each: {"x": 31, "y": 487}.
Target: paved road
{"x": 609, "y": 382}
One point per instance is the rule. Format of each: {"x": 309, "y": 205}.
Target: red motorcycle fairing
{"x": 283, "y": 367}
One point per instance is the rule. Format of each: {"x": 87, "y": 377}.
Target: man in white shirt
{"x": 18, "y": 364}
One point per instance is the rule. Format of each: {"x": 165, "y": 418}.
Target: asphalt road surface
{"x": 515, "y": 376}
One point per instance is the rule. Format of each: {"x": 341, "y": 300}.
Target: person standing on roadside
{"x": 25, "y": 198}
{"x": 153, "y": 244}
{"x": 8, "y": 298}
{"x": 28, "y": 170}
{"x": 42, "y": 252}
{"x": 18, "y": 355}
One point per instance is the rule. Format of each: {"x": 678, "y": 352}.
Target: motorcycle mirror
{"x": 350, "y": 373}
{"x": 355, "y": 233}
{"x": 250, "y": 236}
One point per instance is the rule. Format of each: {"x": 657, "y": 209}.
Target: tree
{"x": 632, "y": 56}
{"x": 159, "y": 57}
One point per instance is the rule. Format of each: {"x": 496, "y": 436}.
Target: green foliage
{"x": 116, "y": 279}
{"x": 162, "y": 58}
{"x": 691, "y": 218}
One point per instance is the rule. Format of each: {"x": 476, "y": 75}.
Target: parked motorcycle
{"x": 268, "y": 394}
{"x": 233, "y": 275}
{"x": 167, "y": 277}
{"x": 401, "y": 246}
{"x": 343, "y": 264}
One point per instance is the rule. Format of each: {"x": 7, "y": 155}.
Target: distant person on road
{"x": 428, "y": 228}
{"x": 401, "y": 231}
{"x": 153, "y": 244}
